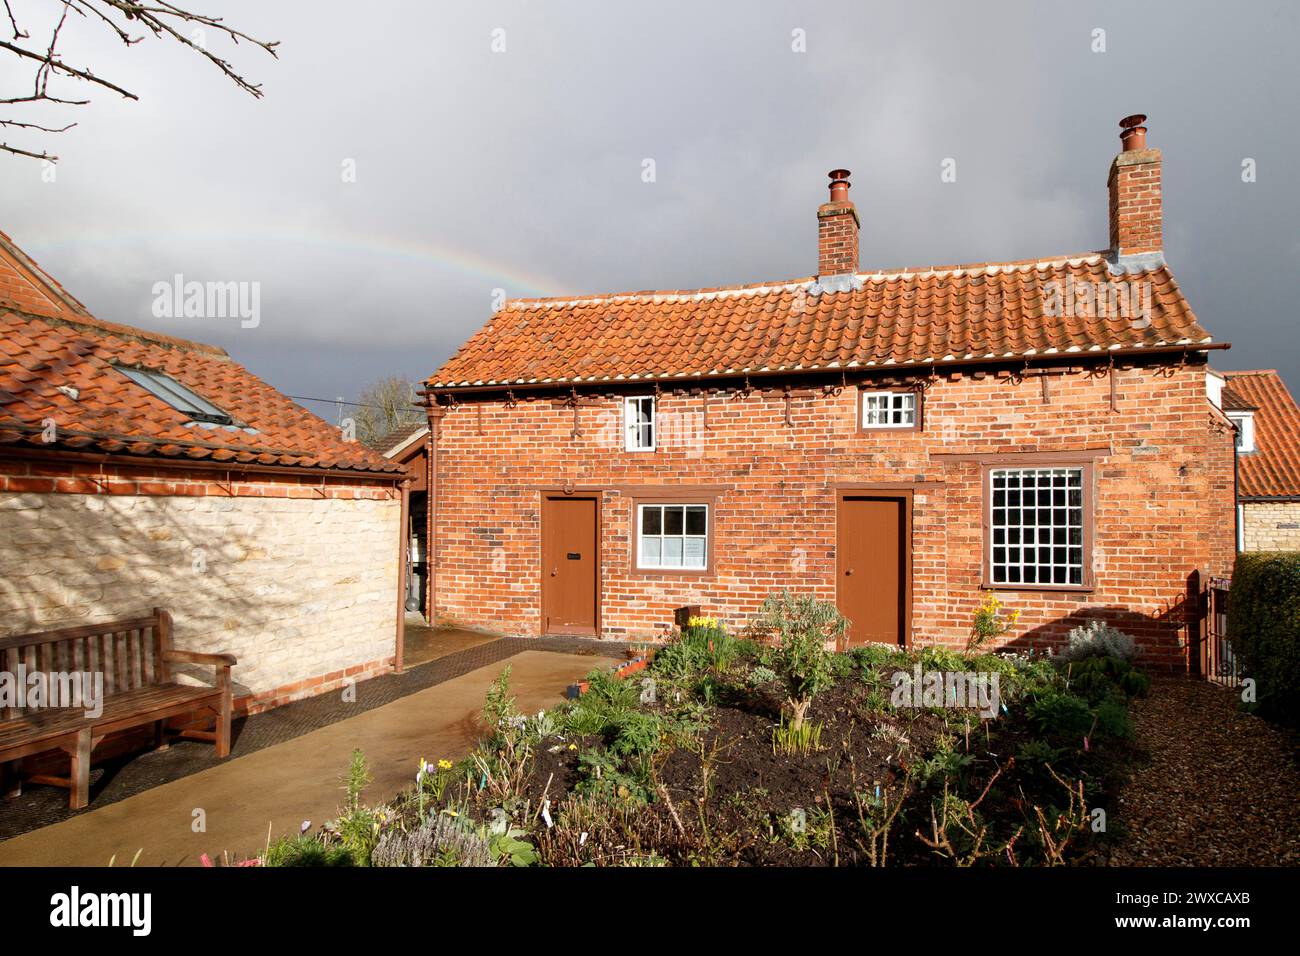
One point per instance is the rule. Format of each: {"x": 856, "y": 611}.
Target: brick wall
{"x": 1164, "y": 500}
{"x": 298, "y": 580}
{"x": 1271, "y": 526}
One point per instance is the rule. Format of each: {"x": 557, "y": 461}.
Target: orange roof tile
{"x": 57, "y": 363}
{"x": 1273, "y": 469}
{"x": 937, "y": 315}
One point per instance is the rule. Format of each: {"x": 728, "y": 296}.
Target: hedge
{"x": 1264, "y": 628}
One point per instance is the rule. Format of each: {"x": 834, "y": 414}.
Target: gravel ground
{"x": 1221, "y": 787}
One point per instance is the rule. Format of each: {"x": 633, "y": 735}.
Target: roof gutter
{"x": 912, "y": 368}
{"x": 197, "y": 464}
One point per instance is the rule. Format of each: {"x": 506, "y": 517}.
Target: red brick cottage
{"x": 141, "y": 470}
{"x": 901, "y": 441}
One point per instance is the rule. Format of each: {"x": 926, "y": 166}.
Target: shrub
{"x": 1097, "y": 678}
{"x": 440, "y": 841}
{"x": 1097, "y": 638}
{"x": 306, "y": 851}
{"x": 804, "y": 625}
{"x": 1066, "y": 715}
{"x": 703, "y": 645}
{"x": 1264, "y": 627}
{"x": 989, "y": 623}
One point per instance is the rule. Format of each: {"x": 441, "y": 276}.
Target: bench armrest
{"x": 197, "y": 657}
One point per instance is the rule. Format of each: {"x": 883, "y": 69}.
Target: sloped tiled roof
{"x": 57, "y": 363}
{"x": 940, "y": 315}
{"x": 395, "y": 437}
{"x": 1273, "y": 469}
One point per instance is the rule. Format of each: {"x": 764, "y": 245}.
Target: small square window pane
{"x": 695, "y": 520}
{"x": 694, "y": 553}
{"x": 651, "y": 551}
{"x": 651, "y": 520}
{"x": 672, "y": 556}
{"x": 673, "y": 520}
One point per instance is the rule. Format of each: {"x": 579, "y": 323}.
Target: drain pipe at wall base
{"x": 403, "y": 548}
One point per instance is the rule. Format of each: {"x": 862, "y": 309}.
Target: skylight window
{"x": 176, "y": 395}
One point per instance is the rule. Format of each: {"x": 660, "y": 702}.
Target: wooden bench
{"x": 135, "y": 657}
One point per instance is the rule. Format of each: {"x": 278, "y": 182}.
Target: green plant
{"x": 357, "y": 825}
{"x": 1264, "y": 628}
{"x": 804, "y": 626}
{"x": 1097, "y": 638}
{"x": 802, "y": 739}
{"x": 306, "y": 851}
{"x": 1060, "y": 713}
{"x": 989, "y": 622}
{"x": 760, "y": 675}
{"x": 442, "y": 840}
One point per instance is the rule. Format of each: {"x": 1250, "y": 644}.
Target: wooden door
{"x": 570, "y": 565}
{"x": 872, "y": 560}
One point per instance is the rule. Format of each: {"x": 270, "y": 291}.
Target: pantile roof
{"x": 57, "y": 363}
{"x": 912, "y": 317}
{"x": 1273, "y": 469}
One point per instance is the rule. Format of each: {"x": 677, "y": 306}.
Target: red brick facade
{"x": 1160, "y": 458}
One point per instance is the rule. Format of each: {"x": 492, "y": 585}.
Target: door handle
{"x": 554, "y": 571}
{"x": 848, "y": 572}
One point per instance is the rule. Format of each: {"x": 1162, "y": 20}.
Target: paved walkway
{"x": 284, "y": 783}
{"x": 1221, "y": 787}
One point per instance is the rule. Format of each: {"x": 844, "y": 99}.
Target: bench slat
{"x": 66, "y": 633}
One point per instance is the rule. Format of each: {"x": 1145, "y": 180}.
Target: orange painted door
{"x": 871, "y": 566}
{"x": 570, "y": 565}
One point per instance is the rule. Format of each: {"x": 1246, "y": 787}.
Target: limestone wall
{"x": 294, "y": 587}
{"x": 1271, "y": 526}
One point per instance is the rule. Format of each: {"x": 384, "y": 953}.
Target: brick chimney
{"x": 837, "y": 229}
{"x": 1134, "y": 186}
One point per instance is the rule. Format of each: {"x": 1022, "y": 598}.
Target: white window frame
{"x": 888, "y": 399}
{"x": 632, "y": 437}
{"x": 641, "y": 563}
{"x": 1245, "y": 422}
{"x": 1029, "y": 537}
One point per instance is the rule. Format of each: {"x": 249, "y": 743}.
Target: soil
{"x": 730, "y": 801}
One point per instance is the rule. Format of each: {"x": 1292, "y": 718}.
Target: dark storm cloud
{"x": 522, "y": 169}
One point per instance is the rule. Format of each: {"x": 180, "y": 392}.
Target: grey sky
{"x": 521, "y": 170}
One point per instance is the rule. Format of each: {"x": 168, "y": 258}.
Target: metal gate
{"x": 1214, "y": 657}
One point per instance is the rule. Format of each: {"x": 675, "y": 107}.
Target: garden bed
{"x": 732, "y": 752}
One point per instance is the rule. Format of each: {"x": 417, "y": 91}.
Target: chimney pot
{"x": 1134, "y": 133}
{"x": 839, "y": 185}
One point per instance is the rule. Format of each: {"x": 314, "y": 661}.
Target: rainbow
{"x": 515, "y": 281}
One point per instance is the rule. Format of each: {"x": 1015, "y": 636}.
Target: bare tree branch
{"x": 164, "y": 20}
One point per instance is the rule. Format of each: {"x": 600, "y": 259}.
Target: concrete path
{"x": 294, "y": 781}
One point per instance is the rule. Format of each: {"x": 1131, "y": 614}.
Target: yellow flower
{"x": 444, "y": 764}
{"x": 573, "y": 746}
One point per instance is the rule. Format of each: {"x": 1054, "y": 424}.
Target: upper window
{"x": 639, "y": 423}
{"x": 176, "y": 395}
{"x": 889, "y": 409}
{"x": 673, "y": 537}
{"x": 1245, "y": 422}
{"x": 1037, "y": 527}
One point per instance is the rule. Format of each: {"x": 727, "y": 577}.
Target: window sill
{"x": 1061, "y": 588}
{"x": 672, "y": 572}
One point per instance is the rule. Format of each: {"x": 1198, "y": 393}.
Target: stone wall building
{"x": 903, "y": 442}
{"x": 141, "y": 470}
{"x": 1268, "y": 460}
